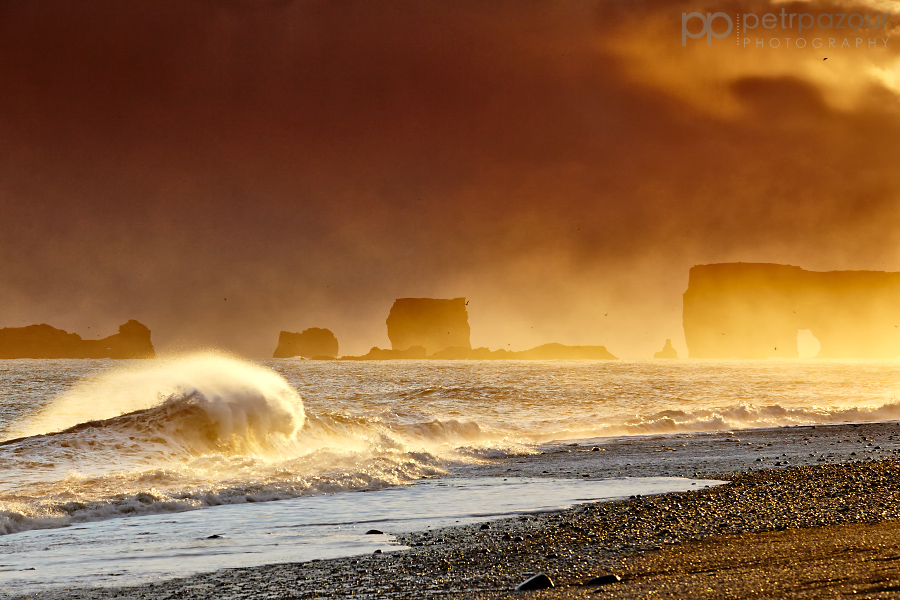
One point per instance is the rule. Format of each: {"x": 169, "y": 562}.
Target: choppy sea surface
{"x": 106, "y": 465}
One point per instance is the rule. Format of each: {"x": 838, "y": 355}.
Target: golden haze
{"x": 224, "y": 171}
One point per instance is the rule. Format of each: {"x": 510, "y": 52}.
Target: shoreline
{"x": 655, "y": 543}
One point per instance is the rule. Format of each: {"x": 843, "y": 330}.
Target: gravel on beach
{"x": 694, "y": 542}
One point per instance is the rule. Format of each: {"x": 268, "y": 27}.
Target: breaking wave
{"x": 234, "y": 396}
{"x": 202, "y": 431}
{"x": 742, "y": 416}
{"x": 750, "y": 417}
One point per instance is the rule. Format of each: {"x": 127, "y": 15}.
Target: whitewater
{"x": 90, "y": 447}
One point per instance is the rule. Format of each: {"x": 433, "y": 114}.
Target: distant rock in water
{"x": 438, "y": 329}
{"x": 458, "y": 353}
{"x": 755, "y": 310}
{"x": 545, "y": 352}
{"x": 310, "y": 343}
{"x": 44, "y": 341}
{"x": 434, "y": 324}
{"x": 414, "y": 353}
{"x": 667, "y": 352}
{"x": 562, "y": 352}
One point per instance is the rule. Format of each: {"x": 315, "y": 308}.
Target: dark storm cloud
{"x": 310, "y": 161}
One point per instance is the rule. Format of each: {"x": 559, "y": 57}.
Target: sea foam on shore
{"x": 215, "y": 431}
{"x": 570, "y": 545}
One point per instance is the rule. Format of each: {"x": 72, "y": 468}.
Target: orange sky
{"x": 309, "y": 162}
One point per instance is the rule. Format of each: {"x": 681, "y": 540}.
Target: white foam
{"x": 741, "y": 416}
{"x": 207, "y": 430}
{"x": 203, "y": 431}
{"x": 141, "y": 549}
{"x": 237, "y": 395}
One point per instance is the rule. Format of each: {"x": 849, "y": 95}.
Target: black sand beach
{"x": 813, "y": 525}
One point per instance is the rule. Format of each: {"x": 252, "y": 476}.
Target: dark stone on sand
{"x": 374, "y": 532}
{"x": 538, "y": 582}
{"x": 214, "y": 536}
{"x": 603, "y": 579}
{"x": 485, "y": 526}
{"x": 378, "y": 551}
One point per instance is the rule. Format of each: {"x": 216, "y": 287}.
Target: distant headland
{"x": 44, "y": 341}
{"x": 543, "y": 352}
{"x": 438, "y": 329}
{"x": 755, "y": 310}
{"x": 730, "y": 311}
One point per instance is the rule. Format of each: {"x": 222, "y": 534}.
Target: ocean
{"x": 118, "y": 472}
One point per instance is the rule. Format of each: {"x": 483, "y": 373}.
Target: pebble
{"x": 538, "y": 582}
{"x": 603, "y": 579}
{"x": 596, "y": 538}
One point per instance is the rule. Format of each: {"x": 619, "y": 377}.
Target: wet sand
{"x": 860, "y": 560}
{"x": 823, "y": 528}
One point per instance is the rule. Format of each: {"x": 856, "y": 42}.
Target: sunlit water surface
{"x": 114, "y": 445}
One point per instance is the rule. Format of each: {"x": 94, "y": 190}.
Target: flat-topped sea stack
{"x": 754, "y": 310}
{"x": 438, "y": 329}
{"x": 434, "y": 324}
{"x": 44, "y": 341}
{"x": 310, "y": 343}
